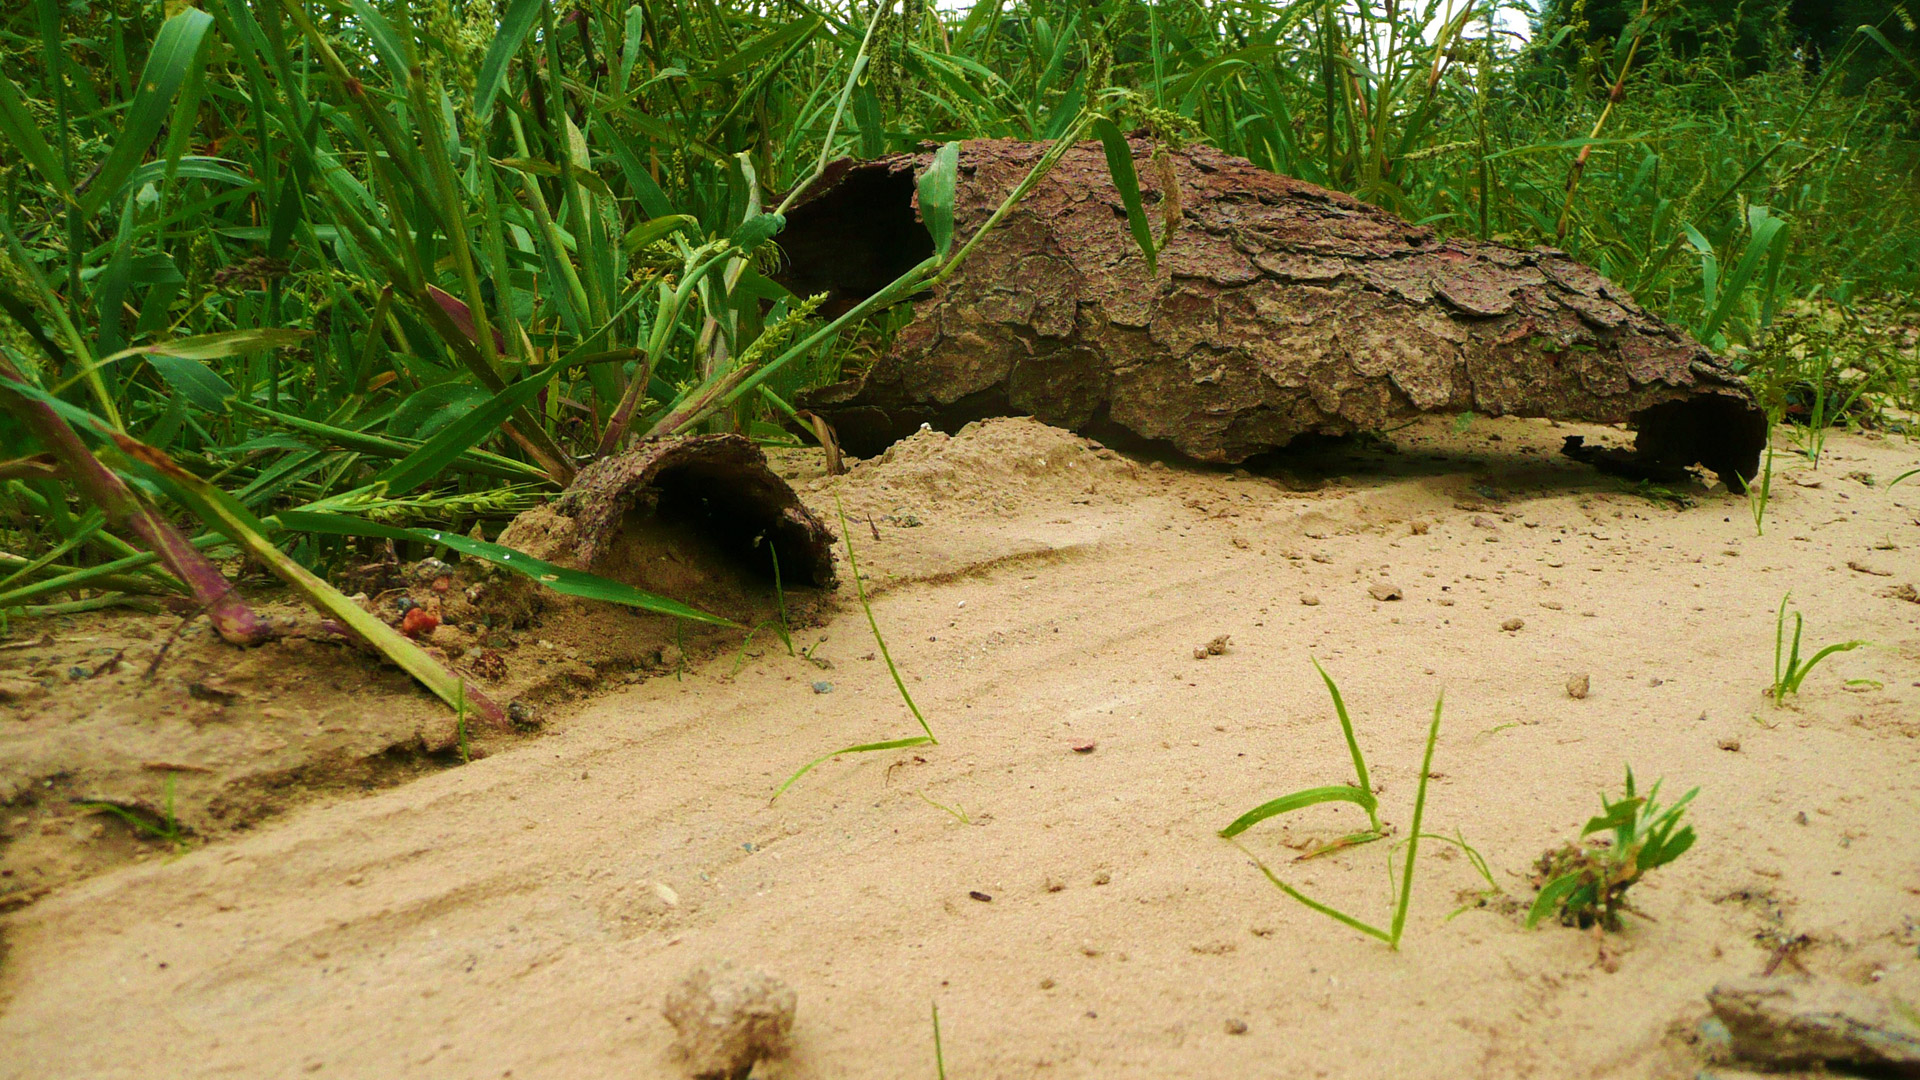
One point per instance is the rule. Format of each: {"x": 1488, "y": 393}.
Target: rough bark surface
{"x": 1278, "y": 309}
{"x": 721, "y": 482}
{"x": 1781, "y": 1023}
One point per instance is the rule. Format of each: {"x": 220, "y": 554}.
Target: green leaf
{"x": 937, "y": 187}
{"x": 429, "y": 410}
{"x": 896, "y": 744}
{"x": 1619, "y": 815}
{"x": 1297, "y": 800}
{"x": 177, "y": 50}
{"x": 395, "y": 53}
{"x": 757, "y": 230}
{"x": 558, "y": 578}
{"x": 1120, "y": 166}
{"x": 21, "y": 131}
{"x": 218, "y": 346}
{"x": 514, "y": 25}
{"x": 461, "y": 435}
{"x": 193, "y": 380}
{"x": 1551, "y": 896}
{"x": 648, "y": 231}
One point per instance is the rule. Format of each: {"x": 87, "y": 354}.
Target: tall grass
{"x": 440, "y": 254}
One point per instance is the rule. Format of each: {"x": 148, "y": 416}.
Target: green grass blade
{"x": 177, "y": 49}
{"x": 853, "y": 570}
{"x": 1330, "y": 912}
{"x": 896, "y": 744}
{"x": 1413, "y": 833}
{"x": 1550, "y": 898}
{"x": 1297, "y": 800}
{"x": 514, "y": 24}
{"x": 21, "y": 131}
{"x": 1120, "y": 167}
{"x": 936, "y": 188}
{"x": 462, "y": 435}
{"x": 1353, "y": 744}
{"x": 558, "y": 578}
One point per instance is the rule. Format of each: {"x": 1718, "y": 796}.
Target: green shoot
{"x": 167, "y": 829}
{"x": 860, "y": 589}
{"x": 939, "y": 1058}
{"x": 957, "y": 812}
{"x": 1789, "y": 671}
{"x": 1397, "y": 926}
{"x": 1586, "y": 883}
{"x": 1757, "y": 493}
{"x": 460, "y": 723}
{"x": 1360, "y": 793}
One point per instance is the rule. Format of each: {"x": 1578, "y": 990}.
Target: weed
{"x": 1757, "y": 493}
{"x": 1362, "y": 797}
{"x": 957, "y": 812}
{"x": 1789, "y": 671}
{"x": 860, "y": 589}
{"x": 460, "y": 723}
{"x": 167, "y": 829}
{"x": 939, "y": 1057}
{"x": 1586, "y": 883}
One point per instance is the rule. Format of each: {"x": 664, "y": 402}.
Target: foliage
{"x": 1587, "y": 883}
{"x": 377, "y": 254}
{"x": 1789, "y": 671}
{"x": 1361, "y": 796}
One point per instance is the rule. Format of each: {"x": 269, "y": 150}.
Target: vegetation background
{"x": 286, "y": 270}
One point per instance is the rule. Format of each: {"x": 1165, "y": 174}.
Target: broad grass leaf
{"x": 1551, "y": 896}
{"x": 463, "y": 434}
{"x": 937, "y": 188}
{"x": 429, "y": 410}
{"x": 514, "y": 24}
{"x": 1120, "y": 166}
{"x": 194, "y": 381}
{"x": 177, "y": 50}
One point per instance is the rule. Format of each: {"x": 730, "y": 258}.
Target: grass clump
{"x": 1789, "y": 671}
{"x": 1586, "y": 883}
{"x": 1361, "y": 796}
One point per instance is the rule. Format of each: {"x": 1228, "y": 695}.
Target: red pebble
{"x": 440, "y": 584}
{"x": 419, "y": 622}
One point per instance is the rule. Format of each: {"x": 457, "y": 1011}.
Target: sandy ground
{"x": 525, "y": 915}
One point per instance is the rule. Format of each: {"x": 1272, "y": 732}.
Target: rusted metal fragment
{"x": 718, "y": 485}
{"x": 1278, "y": 309}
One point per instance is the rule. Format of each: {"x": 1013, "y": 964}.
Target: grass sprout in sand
{"x": 853, "y": 570}
{"x": 1586, "y": 883}
{"x": 1788, "y": 670}
{"x": 1361, "y": 796}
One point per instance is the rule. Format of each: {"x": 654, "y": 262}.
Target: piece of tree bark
{"x": 1278, "y": 309}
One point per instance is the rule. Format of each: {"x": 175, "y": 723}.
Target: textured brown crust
{"x": 1278, "y": 309}
{"x": 721, "y": 480}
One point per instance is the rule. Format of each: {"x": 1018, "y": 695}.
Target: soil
{"x": 1048, "y": 873}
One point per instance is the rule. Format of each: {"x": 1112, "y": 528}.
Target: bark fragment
{"x": 719, "y": 483}
{"x": 1278, "y": 309}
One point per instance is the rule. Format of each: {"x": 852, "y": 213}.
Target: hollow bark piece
{"x": 1782, "y": 1023}
{"x": 722, "y": 481}
{"x": 1278, "y": 309}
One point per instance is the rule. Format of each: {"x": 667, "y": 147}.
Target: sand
{"x": 527, "y": 914}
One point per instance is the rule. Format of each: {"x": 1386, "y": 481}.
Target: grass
{"x": 415, "y": 265}
{"x": 166, "y": 828}
{"x": 1586, "y": 884}
{"x": 926, "y": 739}
{"x": 1789, "y": 671}
{"x": 1362, "y": 797}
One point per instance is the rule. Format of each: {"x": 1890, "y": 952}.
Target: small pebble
{"x": 980, "y": 896}
{"x": 1236, "y": 1027}
{"x": 1730, "y": 744}
{"x": 1383, "y": 591}
{"x": 1309, "y": 600}
{"x": 1084, "y": 748}
{"x": 823, "y": 688}
{"x": 1102, "y": 878}
{"x": 1512, "y": 624}
{"x": 1578, "y": 686}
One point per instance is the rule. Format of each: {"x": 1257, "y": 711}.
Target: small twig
{"x": 185, "y": 622}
